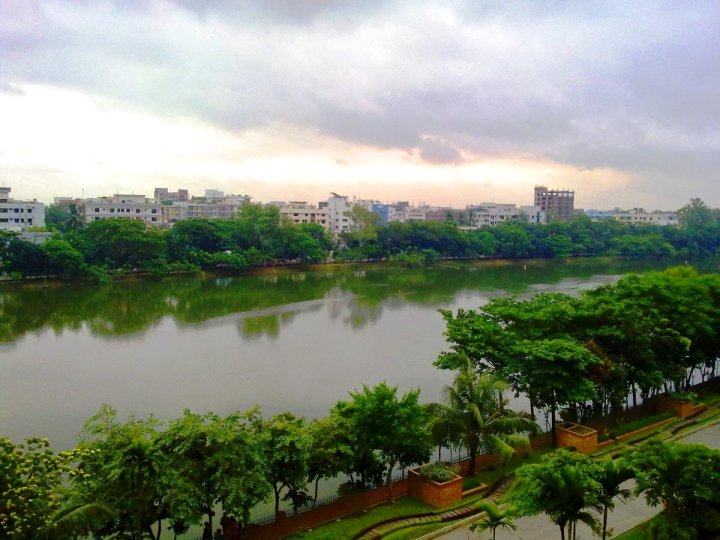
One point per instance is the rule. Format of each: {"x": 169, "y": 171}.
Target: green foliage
{"x": 562, "y": 486}
{"x": 495, "y": 518}
{"x": 629, "y": 427}
{"x": 33, "y": 488}
{"x": 684, "y": 479}
{"x": 440, "y": 472}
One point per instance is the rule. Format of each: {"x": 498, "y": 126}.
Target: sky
{"x": 447, "y": 103}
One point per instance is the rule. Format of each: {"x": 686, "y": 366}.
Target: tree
{"x": 392, "y": 427}
{"x": 33, "y": 493}
{"x": 610, "y": 475}
{"x": 684, "y": 479}
{"x": 562, "y": 486}
{"x": 478, "y": 420}
{"x": 126, "y": 470}
{"x": 286, "y": 447}
{"x": 330, "y": 450}
{"x": 215, "y": 461}
{"x": 495, "y": 518}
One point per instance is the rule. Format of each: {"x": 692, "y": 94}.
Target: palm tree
{"x": 495, "y": 518}
{"x": 75, "y": 518}
{"x": 610, "y": 475}
{"x": 478, "y": 420}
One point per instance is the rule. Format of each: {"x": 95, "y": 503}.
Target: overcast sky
{"x": 450, "y": 103}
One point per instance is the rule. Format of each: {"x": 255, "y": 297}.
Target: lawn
{"x": 347, "y": 527}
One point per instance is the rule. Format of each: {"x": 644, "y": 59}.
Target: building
{"x": 20, "y": 215}
{"x": 491, "y": 214}
{"x": 558, "y": 204}
{"x": 162, "y": 194}
{"x": 301, "y": 212}
{"x": 338, "y": 211}
{"x": 638, "y": 216}
{"x": 124, "y": 206}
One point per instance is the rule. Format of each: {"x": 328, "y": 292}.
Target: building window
{"x": 154, "y": 210}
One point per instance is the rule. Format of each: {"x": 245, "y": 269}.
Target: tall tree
{"x": 610, "y": 476}
{"x": 478, "y": 419}
{"x": 393, "y": 427}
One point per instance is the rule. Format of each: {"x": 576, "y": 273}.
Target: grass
{"x": 628, "y": 427}
{"x": 347, "y": 527}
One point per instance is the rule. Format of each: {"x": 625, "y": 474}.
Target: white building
{"x": 20, "y": 215}
{"x": 337, "y": 210}
{"x": 406, "y": 214}
{"x": 638, "y": 216}
{"x": 301, "y": 212}
{"x": 124, "y": 206}
{"x": 491, "y": 214}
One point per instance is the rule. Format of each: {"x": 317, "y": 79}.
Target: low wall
{"x": 345, "y": 506}
{"x": 582, "y": 438}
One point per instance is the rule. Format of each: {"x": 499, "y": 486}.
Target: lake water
{"x": 284, "y": 339}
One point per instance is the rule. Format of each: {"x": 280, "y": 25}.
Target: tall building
{"x": 556, "y": 203}
{"x": 19, "y": 215}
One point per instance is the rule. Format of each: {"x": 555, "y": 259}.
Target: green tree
{"x": 63, "y": 259}
{"x": 286, "y": 447}
{"x": 610, "y": 475}
{"x": 684, "y": 479}
{"x": 563, "y": 487}
{"x": 34, "y": 495}
{"x": 330, "y": 450}
{"x": 477, "y": 417}
{"x": 394, "y": 428}
{"x": 495, "y": 518}
{"x": 216, "y": 461}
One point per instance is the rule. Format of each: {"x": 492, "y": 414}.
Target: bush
{"x": 439, "y": 472}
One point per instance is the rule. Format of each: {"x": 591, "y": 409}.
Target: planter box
{"x": 433, "y": 493}
{"x": 683, "y": 409}
{"x": 582, "y": 438}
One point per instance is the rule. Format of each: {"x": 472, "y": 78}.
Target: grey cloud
{"x": 607, "y": 84}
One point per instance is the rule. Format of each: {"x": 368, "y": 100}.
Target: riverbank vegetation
{"x": 258, "y": 237}
{"x": 574, "y": 356}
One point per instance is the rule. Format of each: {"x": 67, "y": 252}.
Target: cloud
{"x": 594, "y": 85}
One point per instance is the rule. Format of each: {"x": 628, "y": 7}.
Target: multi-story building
{"x": 638, "y": 216}
{"x": 556, "y": 203}
{"x": 124, "y": 206}
{"x": 491, "y": 214}
{"x": 338, "y": 211}
{"x": 301, "y": 212}
{"x": 18, "y": 215}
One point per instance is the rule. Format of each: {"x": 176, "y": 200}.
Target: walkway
{"x": 623, "y": 518}
{"x": 450, "y": 515}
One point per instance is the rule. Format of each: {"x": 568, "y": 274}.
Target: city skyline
{"x": 450, "y": 103}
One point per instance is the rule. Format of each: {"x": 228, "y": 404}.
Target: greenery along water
{"x": 284, "y": 339}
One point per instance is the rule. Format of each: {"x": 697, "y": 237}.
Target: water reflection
{"x": 133, "y": 306}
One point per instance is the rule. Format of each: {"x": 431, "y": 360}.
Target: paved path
{"x": 623, "y": 518}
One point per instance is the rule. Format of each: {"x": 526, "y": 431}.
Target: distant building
{"x": 638, "y": 216}
{"x": 491, "y": 214}
{"x": 301, "y": 212}
{"x": 162, "y": 194}
{"x": 337, "y": 210}
{"x": 16, "y": 215}
{"x": 556, "y": 203}
{"x": 124, "y": 206}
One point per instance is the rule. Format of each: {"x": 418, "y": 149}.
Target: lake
{"x": 284, "y": 339}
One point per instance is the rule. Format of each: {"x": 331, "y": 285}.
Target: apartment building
{"x": 491, "y": 214}
{"x": 124, "y": 206}
{"x": 17, "y": 215}
{"x": 638, "y": 216}
{"x": 301, "y": 212}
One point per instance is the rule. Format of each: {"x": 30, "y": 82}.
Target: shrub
{"x": 439, "y": 472}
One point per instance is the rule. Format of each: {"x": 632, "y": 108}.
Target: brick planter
{"x": 683, "y": 409}
{"x": 584, "y": 439}
{"x": 433, "y": 493}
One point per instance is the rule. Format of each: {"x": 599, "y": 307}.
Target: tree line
{"x": 259, "y": 236}
{"x": 585, "y": 356}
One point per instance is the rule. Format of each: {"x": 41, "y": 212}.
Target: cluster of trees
{"x": 130, "y": 478}
{"x": 583, "y": 356}
{"x": 258, "y": 236}
{"x": 572, "y": 488}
